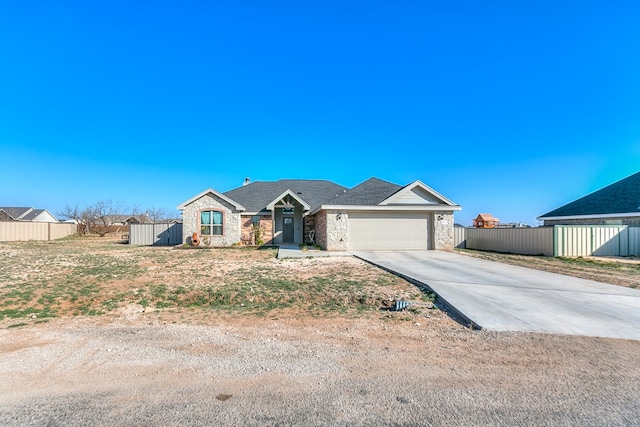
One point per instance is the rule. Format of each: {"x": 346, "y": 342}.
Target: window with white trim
{"x": 211, "y": 223}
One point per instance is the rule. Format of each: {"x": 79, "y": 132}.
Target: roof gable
{"x": 370, "y": 192}
{"x": 486, "y": 217}
{"x": 16, "y": 212}
{"x": 33, "y": 213}
{"x": 416, "y": 193}
{"x": 282, "y": 196}
{"x": 621, "y": 197}
{"x": 232, "y": 202}
{"x": 378, "y": 194}
{"x": 257, "y": 195}
{"x": 39, "y": 215}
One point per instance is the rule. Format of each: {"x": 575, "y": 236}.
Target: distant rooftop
{"x": 618, "y": 198}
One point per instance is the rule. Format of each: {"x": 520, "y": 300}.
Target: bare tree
{"x": 96, "y": 218}
{"x": 157, "y": 214}
{"x": 70, "y": 212}
{"x": 101, "y": 215}
{"x": 76, "y": 214}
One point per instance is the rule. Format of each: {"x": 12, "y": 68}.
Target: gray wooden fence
{"x": 15, "y": 231}
{"x": 559, "y": 240}
{"x": 155, "y": 234}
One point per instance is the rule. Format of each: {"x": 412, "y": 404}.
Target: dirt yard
{"x": 164, "y": 337}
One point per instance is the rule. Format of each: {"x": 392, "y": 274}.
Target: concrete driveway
{"x": 503, "y": 297}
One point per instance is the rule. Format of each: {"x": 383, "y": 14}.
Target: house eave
{"x": 273, "y": 203}
{"x": 25, "y": 214}
{"x": 389, "y": 200}
{"x": 415, "y": 208}
{"x": 593, "y": 216}
{"x": 8, "y": 214}
{"x": 237, "y": 205}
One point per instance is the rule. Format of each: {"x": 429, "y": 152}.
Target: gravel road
{"x": 293, "y": 371}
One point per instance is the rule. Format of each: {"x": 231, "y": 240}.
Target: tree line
{"x": 98, "y": 218}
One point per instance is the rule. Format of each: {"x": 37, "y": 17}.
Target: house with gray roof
{"x": 615, "y": 204}
{"x": 374, "y": 215}
{"x": 26, "y": 214}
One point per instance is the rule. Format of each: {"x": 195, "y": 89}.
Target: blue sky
{"x": 511, "y": 108}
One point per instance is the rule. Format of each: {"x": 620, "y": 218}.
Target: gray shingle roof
{"x": 620, "y": 197}
{"x": 370, "y": 192}
{"x": 257, "y": 195}
{"x": 31, "y": 215}
{"x": 15, "y": 212}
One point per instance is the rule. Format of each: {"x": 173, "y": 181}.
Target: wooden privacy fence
{"x": 16, "y": 231}
{"x": 559, "y": 240}
{"x": 155, "y": 234}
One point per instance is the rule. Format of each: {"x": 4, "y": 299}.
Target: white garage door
{"x": 375, "y": 231}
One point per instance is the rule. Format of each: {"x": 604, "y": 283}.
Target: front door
{"x": 287, "y": 230}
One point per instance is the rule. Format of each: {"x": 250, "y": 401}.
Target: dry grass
{"x": 93, "y": 276}
{"x": 333, "y": 359}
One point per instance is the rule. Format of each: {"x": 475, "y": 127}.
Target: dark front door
{"x": 287, "y": 230}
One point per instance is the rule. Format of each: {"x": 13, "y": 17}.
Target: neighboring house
{"x": 374, "y": 215}
{"x": 126, "y": 219}
{"x": 485, "y": 221}
{"x": 618, "y": 203}
{"x": 26, "y": 214}
{"x": 512, "y": 225}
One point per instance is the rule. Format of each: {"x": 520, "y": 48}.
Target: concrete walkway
{"x": 294, "y": 251}
{"x": 503, "y": 297}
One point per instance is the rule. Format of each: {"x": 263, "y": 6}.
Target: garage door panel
{"x": 388, "y": 231}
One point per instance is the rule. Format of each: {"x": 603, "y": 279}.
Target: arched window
{"x": 211, "y": 223}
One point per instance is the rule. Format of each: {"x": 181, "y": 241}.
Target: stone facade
{"x": 337, "y": 230}
{"x": 333, "y": 235}
{"x": 191, "y": 221}
{"x": 443, "y": 237}
{"x": 331, "y": 230}
{"x": 266, "y": 226}
{"x": 397, "y": 223}
{"x": 629, "y": 220}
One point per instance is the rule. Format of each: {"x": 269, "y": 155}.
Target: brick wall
{"x": 320, "y": 220}
{"x": 266, "y": 225}
{"x": 309, "y": 224}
